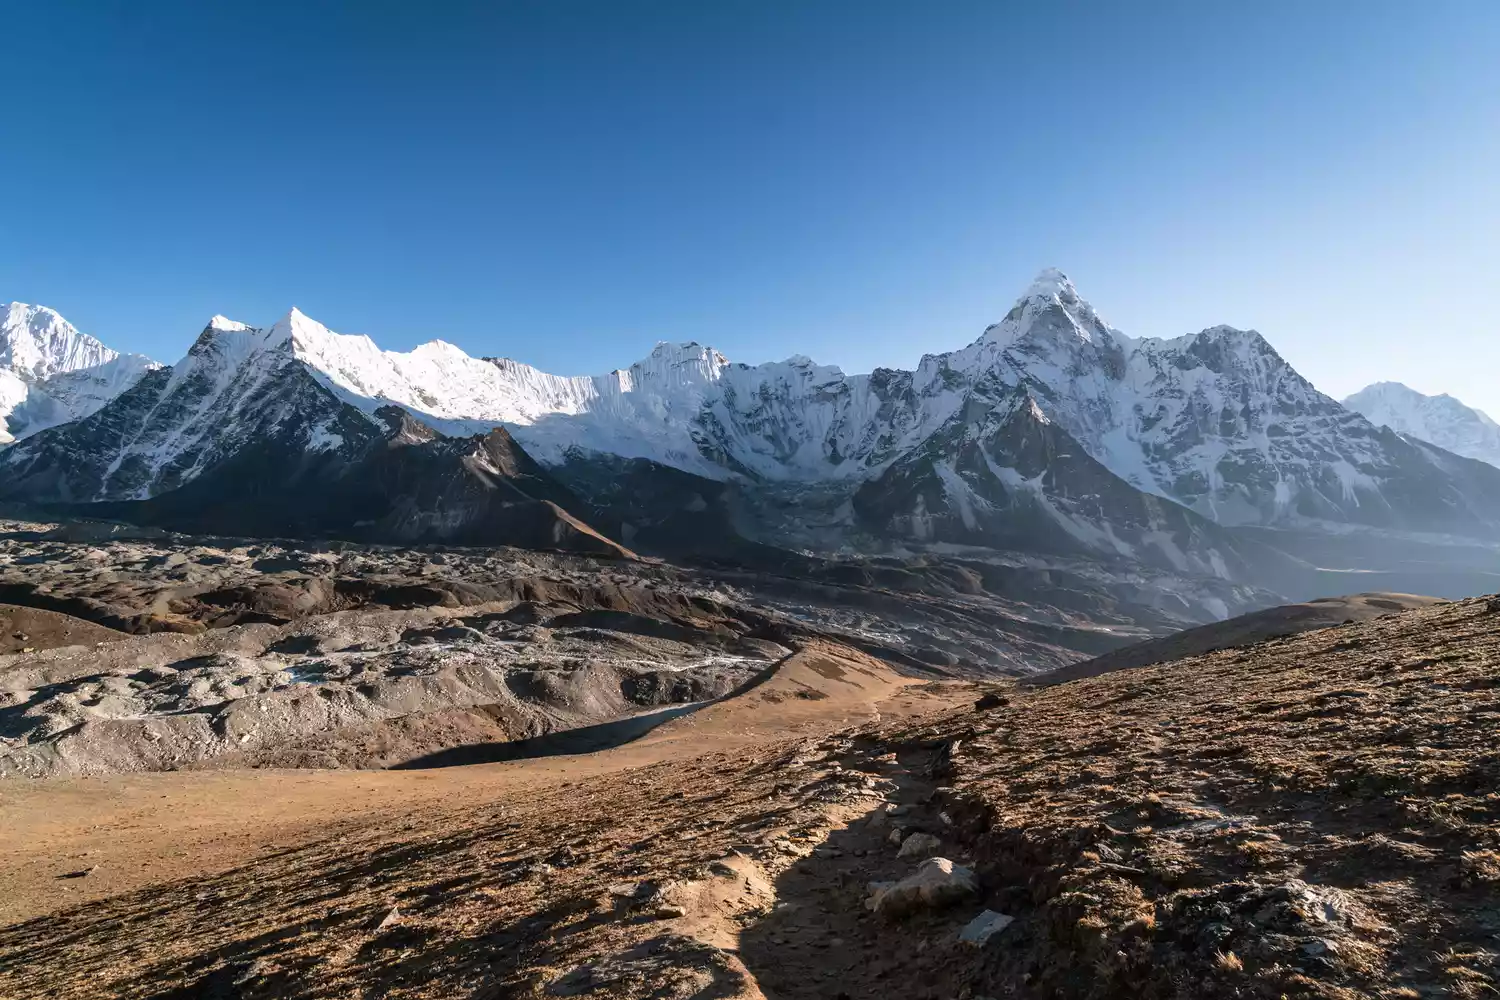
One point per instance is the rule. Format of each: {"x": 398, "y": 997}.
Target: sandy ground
{"x": 136, "y": 830}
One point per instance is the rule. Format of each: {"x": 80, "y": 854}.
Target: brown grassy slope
{"x": 1313, "y": 817}
{"x": 1257, "y": 626}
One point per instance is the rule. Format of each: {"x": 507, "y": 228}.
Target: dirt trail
{"x": 819, "y": 940}
{"x": 137, "y": 830}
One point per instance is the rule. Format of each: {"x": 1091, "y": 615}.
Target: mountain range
{"x": 1052, "y": 433}
{"x": 1441, "y": 420}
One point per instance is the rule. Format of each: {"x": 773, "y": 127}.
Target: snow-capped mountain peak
{"x": 351, "y": 355}
{"x": 674, "y": 367}
{"x": 1051, "y": 282}
{"x": 1440, "y": 420}
{"x": 51, "y": 374}
{"x": 1050, "y": 310}
{"x": 438, "y": 349}
{"x": 36, "y": 342}
{"x": 1401, "y": 402}
{"x": 224, "y": 324}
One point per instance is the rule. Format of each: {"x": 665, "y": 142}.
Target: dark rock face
{"x": 476, "y": 490}
{"x": 668, "y": 512}
{"x": 113, "y": 455}
{"x": 301, "y": 463}
{"x": 1001, "y": 475}
{"x": 412, "y": 486}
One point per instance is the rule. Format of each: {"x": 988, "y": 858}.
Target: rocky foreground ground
{"x": 1312, "y": 816}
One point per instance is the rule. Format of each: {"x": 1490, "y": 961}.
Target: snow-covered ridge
{"x": 627, "y": 412}
{"x": 1153, "y": 411}
{"x": 688, "y": 406}
{"x": 51, "y": 374}
{"x": 1440, "y": 420}
{"x": 1215, "y": 420}
{"x": 35, "y": 342}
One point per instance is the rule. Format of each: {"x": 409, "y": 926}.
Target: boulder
{"x": 937, "y": 883}
{"x": 919, "y": 845}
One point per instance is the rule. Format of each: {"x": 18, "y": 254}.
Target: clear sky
{"x": 567, "y": 182}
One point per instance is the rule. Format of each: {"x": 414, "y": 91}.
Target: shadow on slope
{"x": 813, "y": 683}
{"x": 586, "y": 739}
{"x": 1245, "y": 630}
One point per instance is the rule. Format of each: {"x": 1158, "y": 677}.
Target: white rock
{"x": 983, "y": 927}
{"x": 936, "y": 883}
{"x": 919, "y": 845}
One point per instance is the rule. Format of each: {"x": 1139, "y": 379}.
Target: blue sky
{"x": 566, "y": 182}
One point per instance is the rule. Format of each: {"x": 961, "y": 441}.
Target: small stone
{"x": 81, "y": 873}
{"x": 896, "y": 836}
{"x": 670, "y": 911}
{"x": 919, "y": 845}
{"x": 978, "y": 931}
{"x": 392, "y": 917}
